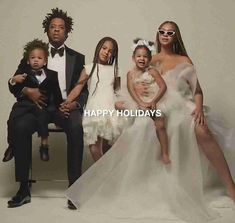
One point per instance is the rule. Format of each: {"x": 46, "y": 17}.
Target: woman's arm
{"x": 161, "y": 84}
{"x": 197, "y": 93}
{"x": 198, "y": 97}
{"x": 198, "y": 111}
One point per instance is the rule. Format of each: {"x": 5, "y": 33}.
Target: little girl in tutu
{"x": 142, "y": 73}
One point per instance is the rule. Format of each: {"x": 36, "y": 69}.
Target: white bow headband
{"x": 143, "y": 42}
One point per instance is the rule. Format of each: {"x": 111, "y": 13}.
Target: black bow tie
{"x": 37, "y": 72}
{"x": 54, "y": 51}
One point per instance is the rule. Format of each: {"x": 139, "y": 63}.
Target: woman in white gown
{"x": 130, "y": 183}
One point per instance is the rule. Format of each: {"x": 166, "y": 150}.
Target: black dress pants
{"x": 26, "y": 125}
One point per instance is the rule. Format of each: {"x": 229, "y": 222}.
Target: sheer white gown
{"x": 131, "y": 184}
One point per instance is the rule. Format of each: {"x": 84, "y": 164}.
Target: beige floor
{"x": 48, "y": 204}
{"x": 44, "y": 209}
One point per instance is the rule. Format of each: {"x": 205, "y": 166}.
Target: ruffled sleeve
{"x": 88, "y": 68}
{"x": 190, "y": 75}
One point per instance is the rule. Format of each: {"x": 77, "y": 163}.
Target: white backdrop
{"x": 207, "y": 29}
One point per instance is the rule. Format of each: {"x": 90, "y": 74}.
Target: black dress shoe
{"x": 19, "y": 199}
{"x": 44, "y": 154}
{"x": 8, "y": 155}
{"x": 71, "y": 206}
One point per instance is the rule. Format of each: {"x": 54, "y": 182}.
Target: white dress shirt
{"x": 58, "y": 63}
{"x": 42, "y": 77}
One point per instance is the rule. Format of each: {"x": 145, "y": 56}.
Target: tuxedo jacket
{"x": 49, "y": 86}
{"x": 74, "y": 65}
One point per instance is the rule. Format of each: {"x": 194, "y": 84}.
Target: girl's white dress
{"x": 101, "y": 99}
{"x": 130, "y": 184}
{"x": 152, "y": 87}
{"x": 148, "y": 80}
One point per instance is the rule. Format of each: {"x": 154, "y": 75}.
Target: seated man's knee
{"x": 21, "y": 126}
{"x": 75, "y": 119}
{"x": 75, "y": 127}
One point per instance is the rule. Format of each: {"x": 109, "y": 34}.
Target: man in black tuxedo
{"x": 69, "y": 64}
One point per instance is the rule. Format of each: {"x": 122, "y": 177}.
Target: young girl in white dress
{"x": 156, "y": 87}
{"x": 99, "y": 129}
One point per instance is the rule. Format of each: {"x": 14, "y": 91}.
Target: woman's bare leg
{"x": 215, "y": 155}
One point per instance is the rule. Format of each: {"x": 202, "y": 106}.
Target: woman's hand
{"x": 199, "y": 116}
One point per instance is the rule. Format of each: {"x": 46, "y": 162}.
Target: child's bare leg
{"x": 215, "y": 155}
{"x": 120, "y": 105}
{"x": 96, "y": 149}
{"x": 44, "y": 141}
{"x": 163, "y": 139}
{"x": 44, "y": 153}
{"x": 106, "y": 146}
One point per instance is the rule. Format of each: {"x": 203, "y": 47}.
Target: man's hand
{"x": 35, "y": 95}
{"x": 18, "y": 78}
{"x": 64, "y": 110}
{"x": 72, "y": 106}
{"x": 66, "y": 107}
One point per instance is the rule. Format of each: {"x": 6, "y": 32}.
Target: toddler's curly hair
{"x": 35, "y": 44}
